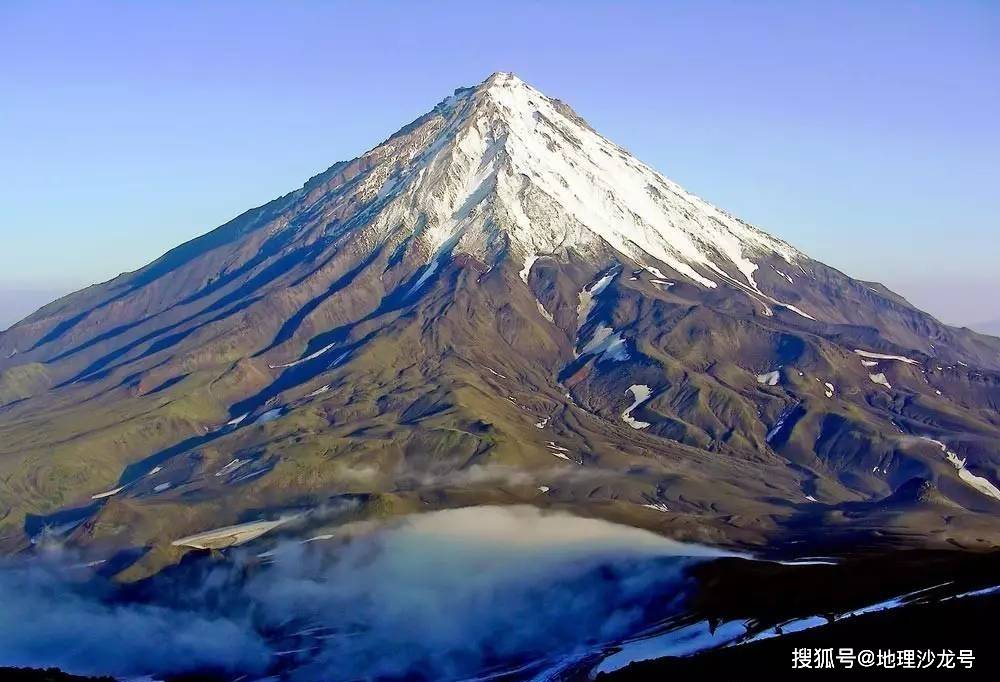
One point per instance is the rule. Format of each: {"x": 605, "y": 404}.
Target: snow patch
{"x": 319, "y": 391}
{"x": 545, "y": 313}
{"x": 526, "y": 270}
{"x": 641, "y": 394}
{"x": 228, "y": 536}
{"x": 883, "y": 356}
{"x": 307, "y": 358}
{"x": 679, "y": 642}
{"x": 782, "y": 418}
{"x": 769, "y": 378}
{"x": 231, "y": 467}
{"x": 880, "y": 379}
{"x": 108, "y": 493}
{"x": 559, "y": 451}
{"x": 797, "y": 311}
{"x": 587, "y": 295}
{"x": 782, "y": 274}
{"x": 608, "y": 343}
{"x": 429, "y": 270}
{"x": 269, "y": 416}
{"x": 983, "y": 485}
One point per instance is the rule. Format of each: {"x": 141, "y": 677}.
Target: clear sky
{"x": 866, "y": 133}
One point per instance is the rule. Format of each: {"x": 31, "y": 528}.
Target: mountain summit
{"x": 501, "y": 167}
{"x": 496, "y": 304}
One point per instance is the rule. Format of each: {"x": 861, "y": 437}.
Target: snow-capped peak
{"x": 504, "y": 159}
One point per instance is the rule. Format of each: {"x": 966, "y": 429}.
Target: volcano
{"x": 496, "y": 305}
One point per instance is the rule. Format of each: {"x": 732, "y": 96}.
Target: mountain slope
{"x": 496, "y": 303}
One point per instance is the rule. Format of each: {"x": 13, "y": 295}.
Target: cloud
{"x": 51, "y": 617}
{"x": 440, "y": 595}
{"x": 403, "y": 476}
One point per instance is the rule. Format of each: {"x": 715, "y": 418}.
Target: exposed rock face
{"x": 462, "y": 314}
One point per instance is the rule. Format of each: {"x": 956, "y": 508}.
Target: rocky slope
{"x": 495, "y": 304}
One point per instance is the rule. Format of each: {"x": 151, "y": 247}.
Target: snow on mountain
{"x": 502, "y": 162}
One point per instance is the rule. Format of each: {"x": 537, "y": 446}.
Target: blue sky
{"x": 866, "y": 133}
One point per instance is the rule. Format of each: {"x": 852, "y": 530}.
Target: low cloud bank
{"x": 50, "y": 618}
{"x": 440, "y": 596}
